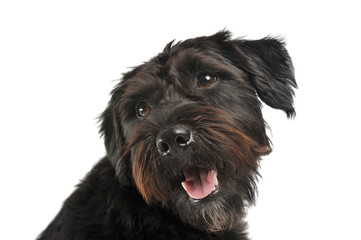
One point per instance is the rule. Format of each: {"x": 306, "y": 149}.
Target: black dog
{"x": 184, "y": 134}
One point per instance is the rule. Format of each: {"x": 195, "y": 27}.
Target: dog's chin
{"x": 220, "y": 210}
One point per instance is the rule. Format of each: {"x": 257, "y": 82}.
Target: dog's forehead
{"x": 192, "y": 61}
{"x": 177, "y": 68}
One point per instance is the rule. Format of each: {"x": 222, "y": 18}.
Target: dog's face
{"x": 186, "y": 127}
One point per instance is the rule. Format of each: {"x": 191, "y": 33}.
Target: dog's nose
{"x": 173, "y": 139}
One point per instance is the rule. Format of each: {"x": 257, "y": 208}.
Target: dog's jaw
{"x": 219, "y": 211}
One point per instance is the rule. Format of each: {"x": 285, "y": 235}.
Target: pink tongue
{"x": 199, "y": 182}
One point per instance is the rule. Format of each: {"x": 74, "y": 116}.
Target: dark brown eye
{"x": 205, "y": 80}
{"x": 142, "y": 108}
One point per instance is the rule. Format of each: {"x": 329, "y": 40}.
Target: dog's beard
{"x": 219, "y": 212}
{"x": 221, "y": 145}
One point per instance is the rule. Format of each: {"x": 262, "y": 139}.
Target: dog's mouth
{"x": 200, "y": 182}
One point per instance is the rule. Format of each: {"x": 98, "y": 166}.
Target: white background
{"x": 60, "y": 59}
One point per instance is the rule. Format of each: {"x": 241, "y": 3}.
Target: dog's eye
{"x": 142, "y": 108}
{"x": 205, "y": 80}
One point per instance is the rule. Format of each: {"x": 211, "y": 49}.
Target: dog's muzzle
{"x": 173, "y": 139}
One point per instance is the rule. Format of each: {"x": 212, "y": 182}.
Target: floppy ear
{"x": 112, "y": 132}
{"x": 270, "y": 69}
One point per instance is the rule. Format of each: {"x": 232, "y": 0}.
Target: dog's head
{"x": 186, "y": 127}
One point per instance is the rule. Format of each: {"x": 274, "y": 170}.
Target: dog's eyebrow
{"x": 193, "y": 61}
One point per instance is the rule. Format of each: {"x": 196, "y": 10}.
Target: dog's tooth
{"x": 184, "y": 185}
{"x": 215, "y": 178}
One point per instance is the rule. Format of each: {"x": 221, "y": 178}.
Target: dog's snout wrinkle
{"x": 173, "y": 139}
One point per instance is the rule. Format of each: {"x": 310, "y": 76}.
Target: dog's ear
{"x": 270, "y": 69}
{"x": 112, "y": 132}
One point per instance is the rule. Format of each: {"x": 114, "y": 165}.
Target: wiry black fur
{"x": 134, "y": 192}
